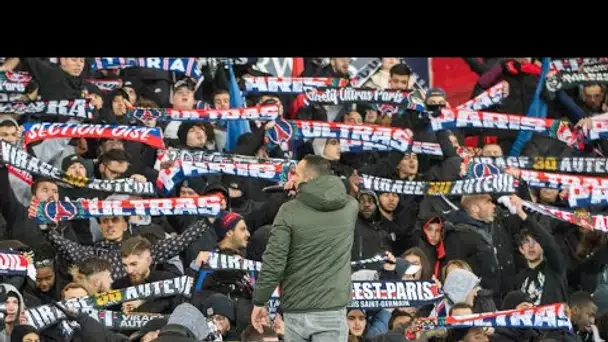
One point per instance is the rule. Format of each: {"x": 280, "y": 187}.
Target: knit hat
{"x": 213, "y": 188}
{"x": 19, "y": 332}
{"x": 152, "y": 325}
{"x": 219, "y": 304}
{"x": 513, "y": 299}
{"x": 225, "y": 222}
{"x": 601, "y": 299}
{"x": 184, "y": 128}
{"x": 191, "y": 318}
{"x": 71, "y": 160}
{"x": 134, "y": 83}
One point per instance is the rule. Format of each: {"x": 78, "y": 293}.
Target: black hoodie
{"x": 370, "y": 238}
{"x": 55, "y": 84}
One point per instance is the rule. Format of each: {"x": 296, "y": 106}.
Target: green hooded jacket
{"x": 309, "y": 251}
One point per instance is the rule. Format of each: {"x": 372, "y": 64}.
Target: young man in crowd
{"x": 136, "y": 253}
{"x": 94, "y": 274}
{"x": 584, "y": 310}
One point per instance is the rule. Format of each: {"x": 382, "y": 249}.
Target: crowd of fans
{"x": 485, "y": 256}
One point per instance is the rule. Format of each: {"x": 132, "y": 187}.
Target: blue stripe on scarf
{"x": 538, "y": 109}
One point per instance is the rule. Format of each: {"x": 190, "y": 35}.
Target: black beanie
{"x": 513, "y": 299}
{"x": 182, "y": 132}
{"x": 219, "y": 304}
{"x": 198, "y": 184}
{"x": 19, "y": 332}
{"x": 72, "y": 159}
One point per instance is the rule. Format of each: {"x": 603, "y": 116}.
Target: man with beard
{"x": 370, "y": 238}
{"x": 136, "y": 254}
{"x": 593, "y": 98}
{"x": 94, "y": 274}
{"x": 233, "y": 236}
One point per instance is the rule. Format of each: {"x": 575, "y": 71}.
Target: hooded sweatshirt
{"x": 11, "y": 290}
{"x": 457, "y": 286}
{"x": 186, "y": 323}
{"x": 309, "y": 250}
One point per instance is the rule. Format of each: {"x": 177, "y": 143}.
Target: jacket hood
{"x": 326, "y": 193}
{"x": 318, "y": 146}
{"x": 8, "y": 289}
{"x": 377, "y": 216}
{"x": 191, "y": 318}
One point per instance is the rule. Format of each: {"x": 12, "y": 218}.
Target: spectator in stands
{"x": 94, "y": 274}
{"x": 584, "y": 311}
{"x": 381, "y": 79}
{"x": 325, "y": 223}
{"x": 370, "y": 238}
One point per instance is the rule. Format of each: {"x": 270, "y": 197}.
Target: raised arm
{"x": 168, "y": 248}
{"x": 72, "y": 251}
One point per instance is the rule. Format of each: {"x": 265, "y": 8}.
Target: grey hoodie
{"x": 8, "y": 288}
{"x": 190, "y": 317}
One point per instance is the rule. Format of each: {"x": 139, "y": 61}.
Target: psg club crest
{"x": 281, "y": 134}
{"x": 59, "y": 211}
{"x": 387, "y": 109}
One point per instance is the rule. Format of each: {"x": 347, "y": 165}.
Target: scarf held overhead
{"x": 42, "y": 131}
{"x": 540, "y": 179}
{"x": 172, "y": 155}
{"x": 581, "y": 218}
{"x": 348, "y": 95}
{"x": 284, "y": 131}
{"x": 186, "y": 66}
{"x": 564, "y": 165}
{"x": 14, "y": 82}
{"x": 552, "y": 316}
{"x": 80, "y": 108}
{"x": 106, "y": 85}
{"x": 55, "y": 211}
{"x": 290, "y": 85}
{"x": 575, "y": 64}
{"x": 168, "y": 178}
{"x": 262, "y": 113}
{"x": 15, "y": 264}
{"x": 487, "y": 99}
{"x": 20, "y": 159}
{"x": 497, "y": 184}
{"x": 557, "y": 129}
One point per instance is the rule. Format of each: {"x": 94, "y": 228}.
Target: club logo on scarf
{"x": 16, "y": 77}
{"x": 370, "y": 294}
{"x": 60, "y": 211}
{"x": 484, "y": 170}
{"x": 583, "y": 218}
{"x": 281, "y": 134}
{"x": 387, "y": 109}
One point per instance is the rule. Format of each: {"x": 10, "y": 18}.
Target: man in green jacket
{"x": 308, "y": 256}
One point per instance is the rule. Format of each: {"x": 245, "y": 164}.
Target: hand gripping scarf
{"x": 55, "y": 211}
{"x": 262, "y": 113}
{"x": 487, "y": 99}
{"x": 562, "y": 165}
{"x": 557, "y": 129}
{"x": 80, "y": 108}
{"x": 348, "y": 95}
{"x": 284, "y": 132}
{"x": 186, "y": 66}
{"x": 20, "y": 159}
{"x": 168, "y": 178}
{"x": 290, "y": 85}
{"x": 552, "y": 316}
{"x": 567, "y": 80}
{"x": 581, "y": 218}
{"x": 41, "y": 131}
{"x": 496, "y": 184}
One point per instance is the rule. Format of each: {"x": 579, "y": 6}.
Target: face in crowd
{"x": 183, "y": 98}
{"x": 408, "y": 166}
{"x": 72, "y": 65}
{"x": 356, "y": 322}
{"x": 138, "y": 266}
